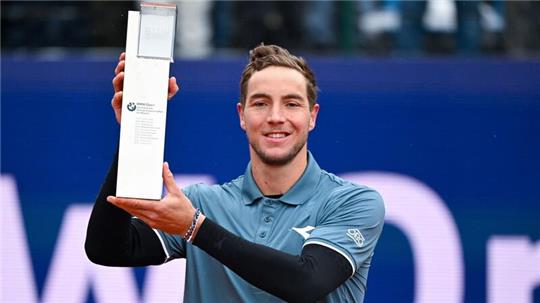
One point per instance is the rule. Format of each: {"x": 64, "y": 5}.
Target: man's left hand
{"x": 172, "y": 214}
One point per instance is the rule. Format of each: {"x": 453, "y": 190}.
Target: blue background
{"x": 468, "y": 128}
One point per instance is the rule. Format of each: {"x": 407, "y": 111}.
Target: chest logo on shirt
{"x": 304, "y": 231}
{"x": 356, "y": 236}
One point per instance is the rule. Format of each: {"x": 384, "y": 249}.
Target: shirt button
{"x": 268, "y": 219}
{"x": 263, "y": 234}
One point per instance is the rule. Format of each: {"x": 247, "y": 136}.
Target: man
{"x": 285, "y": 230}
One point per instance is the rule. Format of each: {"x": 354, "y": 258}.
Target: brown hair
{"x": 264, "y": 56}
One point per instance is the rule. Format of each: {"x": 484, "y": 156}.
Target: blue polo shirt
{"x": 320, "y": 209}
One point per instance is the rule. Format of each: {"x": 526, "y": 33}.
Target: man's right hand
{"x": 118, "y": 85}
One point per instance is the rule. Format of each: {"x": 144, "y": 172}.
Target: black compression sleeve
{"x": 113, "y": 238}
{"x": 305, "y": 278}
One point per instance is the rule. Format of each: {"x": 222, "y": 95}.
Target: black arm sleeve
{"x": 113, "y": 238}
{"x": 305, "y": 278}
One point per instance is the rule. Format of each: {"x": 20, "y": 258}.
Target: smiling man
{"x": 286, "y": 230}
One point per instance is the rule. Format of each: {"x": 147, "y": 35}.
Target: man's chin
{"x": 278, "y": 159}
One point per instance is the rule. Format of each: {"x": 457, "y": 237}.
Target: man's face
{"x": 276, "y": 115}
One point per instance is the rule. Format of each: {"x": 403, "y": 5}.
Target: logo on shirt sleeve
{"x": 356, "y": 236}
{"x": 304, "y": 231}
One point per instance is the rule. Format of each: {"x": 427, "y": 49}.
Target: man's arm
{"x": 113, "y": 238}
{"x": 305, "y": 278}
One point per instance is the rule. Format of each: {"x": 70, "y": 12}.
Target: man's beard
{"x": 278, "y": 161}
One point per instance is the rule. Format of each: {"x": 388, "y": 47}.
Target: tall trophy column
{"x": 149, "y": 52}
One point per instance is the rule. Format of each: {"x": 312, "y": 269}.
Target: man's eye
{"x": 259, "y": 104}
{"x": 293, "y": 104}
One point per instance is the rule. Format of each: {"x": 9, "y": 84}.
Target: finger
{"x": 114, "y": 201}
{"x": 116, "y": 101}
{"x": 120, "y": 67}
{"x": 173, "y": 87}
{"x": 168, "y": 180}
{"x": 131, "y": 204}
{"x": 122, "y": 56}
{"x": 118, "y": 82}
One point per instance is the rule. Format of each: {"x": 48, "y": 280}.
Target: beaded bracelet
{"x": 189, "y": 234}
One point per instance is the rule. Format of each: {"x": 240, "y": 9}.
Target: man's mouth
{"x": 276, "y": 135}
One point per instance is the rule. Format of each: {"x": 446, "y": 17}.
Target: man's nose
{"x": 276, "y": 114}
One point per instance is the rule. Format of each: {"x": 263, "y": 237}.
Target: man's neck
{"x": 277, "y": 180}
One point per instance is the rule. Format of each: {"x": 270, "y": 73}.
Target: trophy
{"x": 149, "y": 52}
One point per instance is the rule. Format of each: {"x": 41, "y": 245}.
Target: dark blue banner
{"x": 453, "y": 145}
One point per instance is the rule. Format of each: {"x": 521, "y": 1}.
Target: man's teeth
{"x": 280, "y": 135}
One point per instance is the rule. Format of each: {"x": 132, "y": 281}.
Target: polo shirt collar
{"x": 301, "y": 191}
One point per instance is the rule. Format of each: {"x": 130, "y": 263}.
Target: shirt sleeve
{"x": 351, "y": 224}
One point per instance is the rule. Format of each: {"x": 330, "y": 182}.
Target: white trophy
{"x": 149, "y": 52}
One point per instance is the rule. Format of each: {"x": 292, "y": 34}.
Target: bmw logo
{"x": 131, "y": 106}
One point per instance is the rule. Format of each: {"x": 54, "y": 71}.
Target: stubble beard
{"x": 280, "y": 160}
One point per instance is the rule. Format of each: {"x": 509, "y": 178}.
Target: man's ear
{"x": 240, "y": 109}
{"x": 313, "y": 116}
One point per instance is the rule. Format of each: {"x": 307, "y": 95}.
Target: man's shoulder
{"x": 346, "y": 193}
{"x": 231, "y": 187}
{"x": 339, "y": 185}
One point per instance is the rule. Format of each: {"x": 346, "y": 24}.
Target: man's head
{"x": 278, "y": 107}
{"x": 264, "y": 56}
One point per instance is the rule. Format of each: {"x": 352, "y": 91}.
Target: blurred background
{"x": 434, "y": 103}
{"x": 209, "y": 28}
